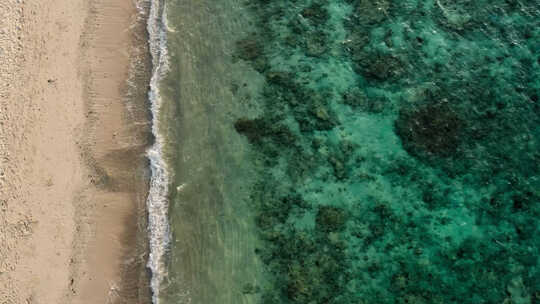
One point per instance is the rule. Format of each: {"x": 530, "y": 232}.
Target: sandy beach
{"x": 73, "y": 176}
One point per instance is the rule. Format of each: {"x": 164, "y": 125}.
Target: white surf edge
{"x": 157, "y": 204}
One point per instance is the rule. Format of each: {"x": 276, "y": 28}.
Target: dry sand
{"x": 72, "y": 167}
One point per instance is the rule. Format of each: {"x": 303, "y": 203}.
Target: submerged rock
{"x": 316, "y": 13}
{"x": 253, "y": 129}
{"x": 316, "y": 44}
{"x": 371, "y": 12}
{"x": 281, "y": 78}
{"x": 378, "y": 66}
{"x": 356, "y": 98}
{"x": 249, "y": 48}
{"x": 429, "y": 129}
{"x": 256, "y": 130}
{"x": 331, "y": 218}
{"x": 356, "y": 41}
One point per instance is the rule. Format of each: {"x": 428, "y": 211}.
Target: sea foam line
{"x": 157, "y": 204}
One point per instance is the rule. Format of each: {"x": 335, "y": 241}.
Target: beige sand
{"x": 72, "y": 180}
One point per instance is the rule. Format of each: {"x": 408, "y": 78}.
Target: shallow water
{"x": 211, "y": 253}
{"x": 353, "y": 151}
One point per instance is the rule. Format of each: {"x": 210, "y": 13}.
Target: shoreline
{"x": 157, "y": 200}
{"x": 73, "y": 173}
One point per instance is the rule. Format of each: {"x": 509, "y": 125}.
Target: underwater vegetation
{"x": 399, "y": 145}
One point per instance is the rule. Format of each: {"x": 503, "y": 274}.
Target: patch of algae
{"x": 399, "y": 147}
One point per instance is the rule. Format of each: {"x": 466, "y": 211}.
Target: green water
{"x": 212, "y": 252}
{"x": 354, "y": 151}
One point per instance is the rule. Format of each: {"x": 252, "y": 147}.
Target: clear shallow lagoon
{"x": 352, "y": 151}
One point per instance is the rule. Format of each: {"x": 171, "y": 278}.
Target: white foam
{"x": 157, "y": 204}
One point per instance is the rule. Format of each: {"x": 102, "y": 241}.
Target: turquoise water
{"x": 352, "y": 151}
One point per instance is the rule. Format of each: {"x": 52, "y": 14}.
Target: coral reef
{"x": 400, "y": 144}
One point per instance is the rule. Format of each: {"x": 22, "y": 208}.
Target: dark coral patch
{"x": 430, "y": 129}
{"x": 316, "y": 13}
{"x": 378, "y": 67}
{"x": 331, "y": 219}
{"x": 258, "y": 129}
{"x": 249, "y": 48}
